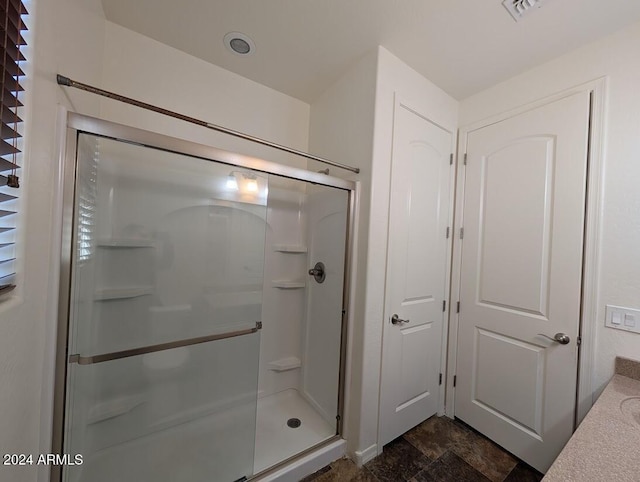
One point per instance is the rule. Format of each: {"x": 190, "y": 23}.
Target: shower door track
{"x": 77, "y": 124}
{"x": 294, "y": 458}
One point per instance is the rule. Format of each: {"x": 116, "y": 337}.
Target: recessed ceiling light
{"x": 239, "y": 43}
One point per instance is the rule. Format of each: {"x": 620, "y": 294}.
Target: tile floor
{"x": 438, "y": 450}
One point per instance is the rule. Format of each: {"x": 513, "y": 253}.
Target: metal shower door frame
{"x": 81, "y": 124}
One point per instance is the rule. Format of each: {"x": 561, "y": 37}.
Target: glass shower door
{"x": 302, "y": 341}
{"x": 165, "y": 316}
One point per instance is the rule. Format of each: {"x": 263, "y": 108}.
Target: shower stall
{"x": 203, "y": 305}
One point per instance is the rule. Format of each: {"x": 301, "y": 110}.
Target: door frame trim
{"x": 402, "y": 102}
{"x": 591, "y": 243}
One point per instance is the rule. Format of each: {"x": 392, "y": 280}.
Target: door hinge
{"x": 444, "y": 305}
{"x": 448, "y": 229}
{"x": 440, "y": 380}
{"x": 458, "y": 307}
{"x": 461, "y": 233}
{"x": 338, "y": 418}
{"x": 455, "y": 380}
{"x": 465, "y": 159}
{"x": 579, "y": 340}
{"x": 451, "y": 159}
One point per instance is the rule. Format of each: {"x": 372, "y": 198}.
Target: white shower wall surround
{"x": 300, "y": 342}
{"x": 283, "y": 307}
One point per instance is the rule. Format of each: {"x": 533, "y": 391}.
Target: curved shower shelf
{"x": 290, "y": 248}
{"x": 113, "y": 408}
{"x": 122, "y": 293}
{"x": 288, "y": 285}
{"x": 285, "y": 364}
{"x": 125, "y": 243}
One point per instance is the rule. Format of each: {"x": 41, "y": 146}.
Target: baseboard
{"x": 364, "y": 456}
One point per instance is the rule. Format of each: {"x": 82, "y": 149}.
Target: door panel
{"x": 416, "y": 273}
{"x": 516, "y": 192}
{"x": 327, "y": 232}
{"x": 501, "y": 360}
{"x": 414, "y": 379}
{"x": 521, "y": 278}
{"x": 165, "y": 311}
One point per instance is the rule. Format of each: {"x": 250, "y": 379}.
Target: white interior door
{"x": 520, "y": 281}
{"x": 416, "y": 273}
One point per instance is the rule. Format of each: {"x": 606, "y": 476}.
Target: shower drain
{"x": 294, "y": 422}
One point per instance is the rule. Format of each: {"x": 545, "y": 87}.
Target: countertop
{"x": 606, "y": 446}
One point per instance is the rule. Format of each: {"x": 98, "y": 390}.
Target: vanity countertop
{"x": 606, "y": 446}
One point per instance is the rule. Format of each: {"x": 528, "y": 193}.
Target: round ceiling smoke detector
{"x": 239, "y": 43}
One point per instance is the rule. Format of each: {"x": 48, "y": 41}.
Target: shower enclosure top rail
{"x": 111, "y": 130}
{"x": 66, "y": 81}
{"x": 117, "y": 355}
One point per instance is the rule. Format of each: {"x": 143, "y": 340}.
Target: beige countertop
{"x": 606, "y": 446}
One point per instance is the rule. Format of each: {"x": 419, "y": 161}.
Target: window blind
{"x": 89, "y": 152}
{"x": 12, "y": 27}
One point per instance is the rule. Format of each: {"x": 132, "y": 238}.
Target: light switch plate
{"x": 621, "y": 318}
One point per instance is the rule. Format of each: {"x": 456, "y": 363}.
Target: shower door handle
{"x": 90, "y": 360}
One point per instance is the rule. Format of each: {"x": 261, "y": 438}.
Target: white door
{"x": 520, "y": 281}
{"x": 416, "y": 273}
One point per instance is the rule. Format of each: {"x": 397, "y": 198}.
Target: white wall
{"x": 353, "y": 123}
{"x": 139, "y": 67}
{"x": 25, "y": 320}
{"x": 341, "y": 129}
{"x": 616, "y": 57}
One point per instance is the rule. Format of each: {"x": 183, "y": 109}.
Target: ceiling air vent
{"x": 520, "y": 8}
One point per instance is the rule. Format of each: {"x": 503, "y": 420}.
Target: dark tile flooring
{"x": 437, "y": 450}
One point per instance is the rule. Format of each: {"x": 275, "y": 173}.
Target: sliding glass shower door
{"x": 164, "y": 316}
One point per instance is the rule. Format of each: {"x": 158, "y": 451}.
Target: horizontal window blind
{"x": 89, "y": 152}
{"x": 12, "y": 27}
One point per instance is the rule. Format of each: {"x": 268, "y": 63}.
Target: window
{"x": 88, "y": 149}
{"x": 12, "y": 40}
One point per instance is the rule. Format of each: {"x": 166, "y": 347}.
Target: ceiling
{"x": 302, "y": 46}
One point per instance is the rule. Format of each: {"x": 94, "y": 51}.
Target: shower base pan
{"x": 185, "y": 451}
{"x": 275, "y": 439}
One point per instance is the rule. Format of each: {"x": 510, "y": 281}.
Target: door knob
{"x": 558, "y": 338}
{"x": 396, "y": 320}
